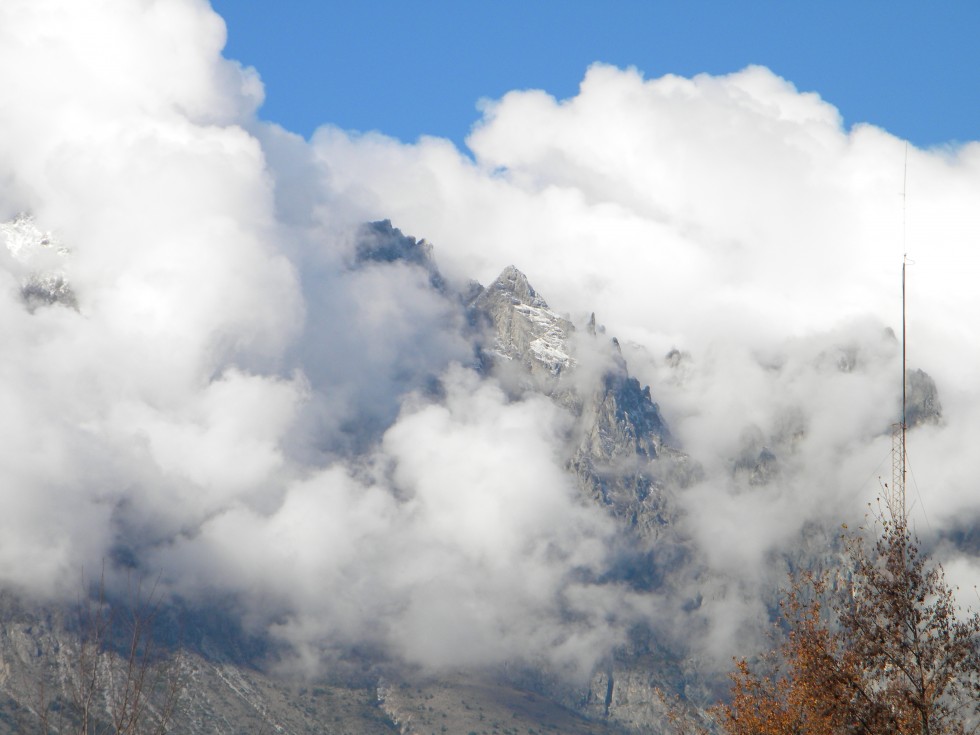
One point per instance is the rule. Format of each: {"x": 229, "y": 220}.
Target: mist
{"x": 225, "y": 396}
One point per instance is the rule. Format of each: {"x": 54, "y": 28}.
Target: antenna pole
{"x": 899, "y": 459}
{"x": 905, "y": 381}
{"x": 896, "y": 499}
{"x": 905, "y": 372}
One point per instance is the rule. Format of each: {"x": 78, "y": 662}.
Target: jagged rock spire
{"x": 524, "y": 329}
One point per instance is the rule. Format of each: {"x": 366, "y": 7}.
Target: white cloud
{"x": 467, "y": 547}
{"x": 120, "y": 135}
{"x": 735, "y": 196}
{"x": 735, "y": 219}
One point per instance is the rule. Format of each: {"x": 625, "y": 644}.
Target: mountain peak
{"x": 513, "y": 282}
{"x": 524, "y": 328}
{"x": 381, "y": 242}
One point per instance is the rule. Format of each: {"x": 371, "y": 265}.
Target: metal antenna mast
{"x": 899, "y": 459}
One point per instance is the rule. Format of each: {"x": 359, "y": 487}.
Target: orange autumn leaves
{"x": 884, "y": 649}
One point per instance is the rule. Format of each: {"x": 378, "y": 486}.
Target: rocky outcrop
{"x": 622, "y": 435}
{"x": 634, "y": 699}
{"x": 39, "y": 260}
{"x": 619, "y": 435}
{"x": 381, "y": 242}
{"x": 923, "y": 405}
{"x": 522, "y": 329}
{"x": 46, "y": 657}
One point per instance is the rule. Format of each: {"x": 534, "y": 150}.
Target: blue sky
{"x": 413, "y": 68}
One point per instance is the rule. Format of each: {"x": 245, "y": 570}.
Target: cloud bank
{"x": 735, "y": 220}
{"x": 230, "y": 399}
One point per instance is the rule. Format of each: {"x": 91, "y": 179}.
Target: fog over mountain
{"x": 215, "y": 372}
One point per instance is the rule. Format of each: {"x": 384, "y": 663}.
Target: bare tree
{"x": 891, "y": 653}
{"x": 117, "y": 679}
{"x": 905, "y": 628}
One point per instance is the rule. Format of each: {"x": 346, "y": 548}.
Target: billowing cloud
{"x": 462, "y": 543}
{"x": 225, "y": 394}
{"x": 733, "y": 223}
{"x": 738, "y": 187}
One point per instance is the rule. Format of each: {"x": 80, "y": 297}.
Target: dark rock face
{"x": 622, "y": 434}
{"x": 923, "y": 405}
{"x": 381, "y": 242}
{"x": 619, "y": 433}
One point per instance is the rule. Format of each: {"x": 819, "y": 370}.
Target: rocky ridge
{"x": 619, "y": 430}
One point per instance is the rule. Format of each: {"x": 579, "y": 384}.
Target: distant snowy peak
{"x": 38, "y": 260}
{"x": 526, "y": 330}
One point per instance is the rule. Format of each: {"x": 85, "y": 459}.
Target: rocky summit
{"x": 619, "y": 434}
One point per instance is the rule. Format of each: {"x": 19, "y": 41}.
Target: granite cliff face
{"x": 620, "y": 437}
{"x": 522, "y": 330}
